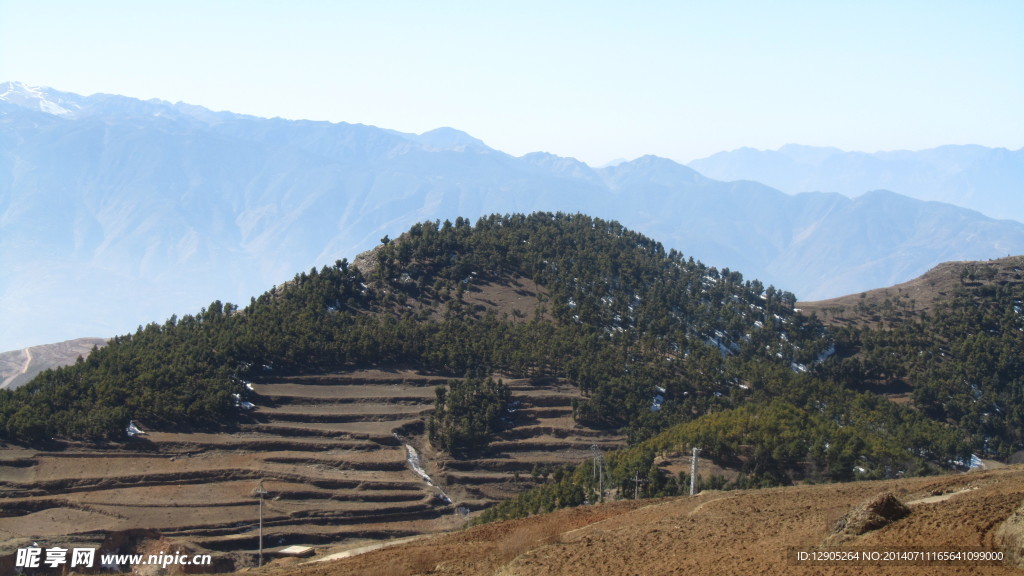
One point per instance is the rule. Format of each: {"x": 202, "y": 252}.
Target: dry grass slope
{"x": 745, "y": 532}
{"x": 938, "y": 284}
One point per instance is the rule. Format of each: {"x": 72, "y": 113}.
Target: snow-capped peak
{"x": 37, "y": 98}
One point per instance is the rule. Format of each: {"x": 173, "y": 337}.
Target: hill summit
{"x": 652, "y": 339}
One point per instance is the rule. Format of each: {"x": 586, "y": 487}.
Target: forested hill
{"x": 951, "y": 342}
{"x": 652, "y": 338}
{"x": 608, "y": 301}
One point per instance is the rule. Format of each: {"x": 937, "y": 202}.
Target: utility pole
{"x": 598, "y": 470}
{"x": 636, "y": 486}
{"x": 261, "y": 492}
{"x": 693, "y": 471}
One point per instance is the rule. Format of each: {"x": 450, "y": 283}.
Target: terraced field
{"x": 334, "y": 453}
{"x": 544, "y": 435}
{"x": 738, "y": 532}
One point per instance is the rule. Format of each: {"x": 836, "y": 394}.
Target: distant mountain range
{"x": 115, "y": 212}
{"x": 989, "y": 180}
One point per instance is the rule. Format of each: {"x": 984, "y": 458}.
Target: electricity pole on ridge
{"x": 261, "y": 492}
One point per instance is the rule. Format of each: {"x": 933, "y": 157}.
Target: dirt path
{"x": 28, "y": 361}
{"x": 367, "y": 548}
{"x": 938, "y": 498}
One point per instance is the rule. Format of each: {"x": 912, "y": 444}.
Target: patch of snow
{"x": 657, "y": 402}
{"x": 413, "y": 457}
{"x": 827, "y": 353}
{"x": 242, "y": 403}
{"x": 51, "y": 108}
{"x": 36, "y": 98}
{"x": 975, "y": 391}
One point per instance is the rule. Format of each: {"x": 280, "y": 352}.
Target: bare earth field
{"x": 333, "y": 452}
{"x": 742, "y": 532}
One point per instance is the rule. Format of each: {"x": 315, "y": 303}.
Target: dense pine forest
{"x": 671, "y": 351}
{"x": 959, "y": 357}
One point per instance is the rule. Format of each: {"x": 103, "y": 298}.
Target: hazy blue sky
{"x": 592, "y": 80}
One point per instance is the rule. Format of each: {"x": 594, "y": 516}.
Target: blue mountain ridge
{"x": 117, "y": 212}
{"x": 988, "y": 180}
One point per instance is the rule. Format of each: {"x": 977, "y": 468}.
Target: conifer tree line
{"x": 614, "y": 299}
{"x": 735, "y": 368}
{"x": 962, "y": 358}
{"x": 467, "y": 412}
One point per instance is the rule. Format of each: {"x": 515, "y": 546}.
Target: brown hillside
{"x": 18, "y": 367}
{"x": 919, "y": 294}
{"x": 715, "y": 533}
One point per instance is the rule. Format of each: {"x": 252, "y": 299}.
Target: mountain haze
{"x": 984, "y": 179}
{"x": 116, "y": 211}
